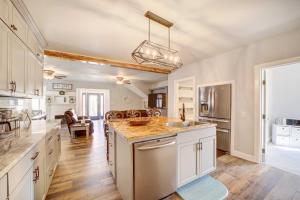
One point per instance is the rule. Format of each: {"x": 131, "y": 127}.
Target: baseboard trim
{"x": 244, "y": 156}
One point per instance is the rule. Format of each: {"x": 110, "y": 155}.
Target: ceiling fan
{"x": 50, "y": 74}
{"x": 121, "y": 80}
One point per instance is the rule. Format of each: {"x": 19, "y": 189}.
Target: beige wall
{"x": 238, "y": 65}
{"x": 121, "y": 98}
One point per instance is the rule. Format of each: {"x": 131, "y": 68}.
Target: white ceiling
{"x": 113, "y": 28}
{"x": 75, "y": 70}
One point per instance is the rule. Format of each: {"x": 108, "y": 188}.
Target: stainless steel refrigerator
{"x": 215, "y": 107}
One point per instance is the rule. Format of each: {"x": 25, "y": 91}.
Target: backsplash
{"x": 15, "y": 103}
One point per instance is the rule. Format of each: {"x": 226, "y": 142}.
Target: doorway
{"x": 280, "y": 116}
{"x": 93, "y": 105}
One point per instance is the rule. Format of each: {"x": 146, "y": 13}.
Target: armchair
{"x": 72, "y": 118}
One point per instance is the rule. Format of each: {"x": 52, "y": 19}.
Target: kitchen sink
{"x": 185, "y": 124}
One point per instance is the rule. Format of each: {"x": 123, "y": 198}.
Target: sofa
{"x": 72, "y": 118}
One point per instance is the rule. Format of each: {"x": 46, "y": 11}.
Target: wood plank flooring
{"x": 83, "y": 174}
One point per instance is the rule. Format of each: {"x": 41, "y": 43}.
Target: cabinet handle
{"x": 14, "y": 27}
{"x": 49, "y": 138}
{"x": 15, "y": 86}
{"x": 51, "y": 151}
{"x": 36, "y": 173}
{"x": 35, "y": 155}
{"x": 200, "y": 145}
{"x": 11, "y": 86}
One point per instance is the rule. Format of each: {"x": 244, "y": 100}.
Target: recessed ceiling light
{"x": 83, "y": 61}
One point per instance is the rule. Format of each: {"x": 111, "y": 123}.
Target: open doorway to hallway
{"x": 281, "y": 125}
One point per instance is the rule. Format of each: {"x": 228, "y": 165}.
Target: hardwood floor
{"x": 83, "y": 174}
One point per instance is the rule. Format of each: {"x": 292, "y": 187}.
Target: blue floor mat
{"x": 204, "y": 188}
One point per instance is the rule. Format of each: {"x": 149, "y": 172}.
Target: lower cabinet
{"x": 30, "y": 178}
{"x": 24, "y": 189}
{"x": 3, "y": 188}
{"x": 196, "y": 157}
{"x": 111, "y": 151}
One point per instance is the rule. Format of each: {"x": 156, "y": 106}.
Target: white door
{"x": 24, "y": 189}
{"x": 186, "y": 162}
{"x": 31, "y": 74}
{"x": 39, "y": 77}
{"x": 19, "y": 25}
{"x": 18, "y": 54}
{"x": 39, "y": 183}
{"x": 5, "y": 11}
{"x": 3, "y": 56}
{"x": 207, "y": 160}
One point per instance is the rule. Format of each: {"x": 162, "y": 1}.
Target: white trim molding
{"x": 258, "y": 69}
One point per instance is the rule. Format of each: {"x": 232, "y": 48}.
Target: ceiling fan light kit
{"x": 152, "y": 53}
{"x": 48, "y": 74}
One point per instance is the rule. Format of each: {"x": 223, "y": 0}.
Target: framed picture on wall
{"x": 64, "y": 86}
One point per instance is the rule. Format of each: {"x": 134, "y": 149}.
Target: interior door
{"x": 221, "y": 101}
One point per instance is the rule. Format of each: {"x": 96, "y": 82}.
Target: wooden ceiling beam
{"x": 99, "y": 60}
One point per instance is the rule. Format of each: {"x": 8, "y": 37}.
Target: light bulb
{"x": 176, "y": 59}
{"x": 148, "y": 51}
{"x": 154, "y": 53}
{"x": 166, "y": 56}
{"x": 141, "y": 50}
{"x": 171, "y": 58}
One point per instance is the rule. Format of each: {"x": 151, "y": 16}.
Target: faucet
{"x": 182, "y": 115}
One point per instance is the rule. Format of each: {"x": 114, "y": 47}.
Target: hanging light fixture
{"x": 48, "y": 74}
{"x": 151, "y": 53}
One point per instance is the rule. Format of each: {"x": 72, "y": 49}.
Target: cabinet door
{"x": 3, "y": 57}
{"x": 207, "y": 160}
{"x": 39, "y": 78}
{"x": 39, "y": 183}
{"x": 18, "y": 54}
{"x": 31, "y": 74}
{"x": 20, "y": 26}
{"x": 5, "y": 11}
{"x": 186, "y": 162}
{"x": 24, "y": 189}
{"x": 3, "y": 188}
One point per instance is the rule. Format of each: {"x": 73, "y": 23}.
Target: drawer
{"x": 3, "y": 187}
{"x": 283, "y": 140}
{"x": 295, "y": 141}
{"x": 296, "y": 132}
{"x": 50, "y": 155}
{"x": 49, "y": 137}
{"x": 195, "y": 135}
{"x": 283, "y": 130}
{"x": 16, "y": 174}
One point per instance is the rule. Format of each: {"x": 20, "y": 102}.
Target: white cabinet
{"x": 4, "y": 82}
{"x": 17, "y": 63}
{"x": 5, "y": 10}
{"x": 286, "y": 135}
{"x": 187, "y": 161}
{"x": 207, "y": 155}
{"x": 34, "y": 76}
{"x": 3, "y": 188}
{"x": 111, "y": 151}
{"x": 196, "y": 154}
{"x": 39, "y": 171}
{"x": 19, "y": 25}
{"x": 24, "y": 190}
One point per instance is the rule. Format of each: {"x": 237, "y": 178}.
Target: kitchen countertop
{"x": 155, "y": 128}
{"x": 26, "y": 140}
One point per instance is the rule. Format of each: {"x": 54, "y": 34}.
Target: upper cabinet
{"x": 19, "y": 25}
{"x": 21, "y": 55}
{"x": 18, "y": 55}
{"x": 6, "y": 11}
{"x": 4, "y": 57}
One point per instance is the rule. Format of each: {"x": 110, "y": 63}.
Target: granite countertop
{"x": 155, "y": 128}
{"x": 26, "y": 140}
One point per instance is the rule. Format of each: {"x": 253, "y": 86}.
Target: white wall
{"x": 121, "y": 98}
{"x": 284, "y": 96}
{"x": 238, "y": 65}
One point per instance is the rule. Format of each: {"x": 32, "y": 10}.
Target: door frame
{"x": 259, "y": 103}
{"x": 233, "y": 100}
{"x": 106, "y": 98}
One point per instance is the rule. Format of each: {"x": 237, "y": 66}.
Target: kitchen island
{"x": 152, "y": 161}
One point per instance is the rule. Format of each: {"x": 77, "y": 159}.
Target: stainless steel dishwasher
{"x": 155, "y": 168}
